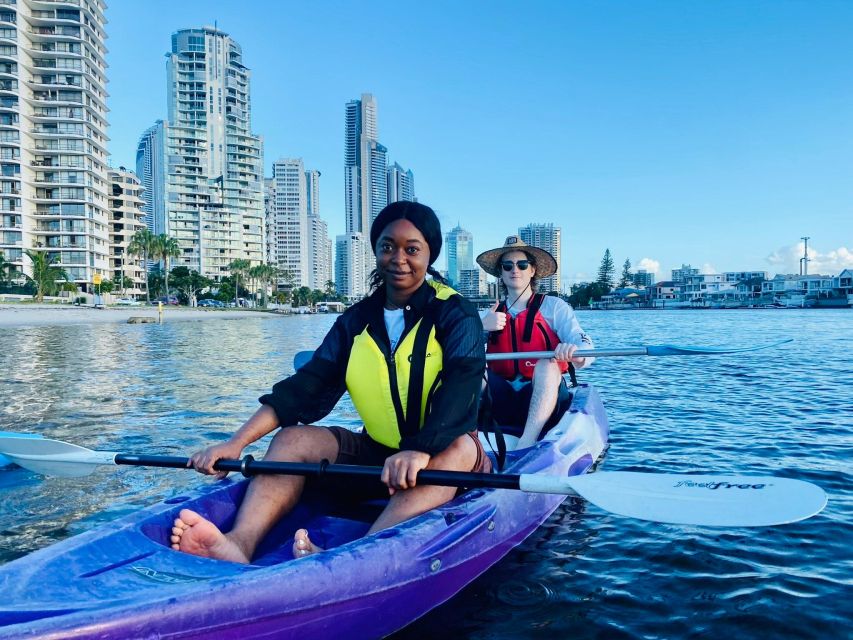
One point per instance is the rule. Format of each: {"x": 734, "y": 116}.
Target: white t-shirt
{"x": 394, "y": 325}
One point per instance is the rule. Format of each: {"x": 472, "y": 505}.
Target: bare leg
{"x": 461, "y": 455}
{"x": 268, "y": 499}
{"x": 543, "y": 401}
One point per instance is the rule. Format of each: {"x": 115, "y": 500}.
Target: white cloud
{"x": 651, "y": 266}
{"x": 708, "y": 268}
{"x": 787, "y": 260}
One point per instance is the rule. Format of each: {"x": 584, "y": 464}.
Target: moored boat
{"x": 122, "y": 580}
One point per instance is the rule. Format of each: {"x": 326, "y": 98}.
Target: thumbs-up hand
{"x": 494, "y": 320}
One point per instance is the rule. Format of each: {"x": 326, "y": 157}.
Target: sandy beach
{"x": 22, "y": 315}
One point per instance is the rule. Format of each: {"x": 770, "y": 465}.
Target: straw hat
{"x": 489, "y": 260}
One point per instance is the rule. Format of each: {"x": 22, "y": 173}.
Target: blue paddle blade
{"x": 673, "y": 350}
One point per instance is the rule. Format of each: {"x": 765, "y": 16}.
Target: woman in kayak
{"x": 524, "y": 392}
{"x": 411, "y": 357}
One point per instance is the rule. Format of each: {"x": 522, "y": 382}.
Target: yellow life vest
{"x": 380, "y": 386}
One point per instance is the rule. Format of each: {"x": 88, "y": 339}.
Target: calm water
{"x": 584, "y": 574}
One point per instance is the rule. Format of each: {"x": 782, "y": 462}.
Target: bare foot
{"x": 199, "y": 537}
{"x": 302, "y": 545}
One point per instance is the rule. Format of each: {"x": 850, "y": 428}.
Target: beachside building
{"x": 290, "y": 222}
{"x": 472, "y": 283}
{"x": 665, "y": 291}
{"x": 679, "y": 276}
{"x": 210, "y": 172}
{"x": 270, "y": 253}
{"x": 805, "y": 290}
{"x": 698, "y": 287}
{"x": 353, "y": 263}
{"x": 548, "y": 237}
{"x": 643, "y": 278}
{"x": 54, "y": 183}
{"x": 127, "y": 216}
{"x": 401, "y": 184}
{"x": 319, "y": 244}
{"x": 459, "y": 248}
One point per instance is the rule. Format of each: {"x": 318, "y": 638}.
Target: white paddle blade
{"x": 53, "y": 457}
{"x": 708, "y": 500}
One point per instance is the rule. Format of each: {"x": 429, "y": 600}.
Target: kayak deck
{"x": 123, "y": 580}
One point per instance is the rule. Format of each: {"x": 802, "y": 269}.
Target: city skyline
{"x": 667, "y": 135}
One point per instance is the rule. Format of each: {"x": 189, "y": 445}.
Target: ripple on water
{"x": 583, "y": 574}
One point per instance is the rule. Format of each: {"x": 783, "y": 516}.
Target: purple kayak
{"x": 122, "y": 580}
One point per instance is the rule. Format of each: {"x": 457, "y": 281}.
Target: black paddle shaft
{"x": 248, "y": 466}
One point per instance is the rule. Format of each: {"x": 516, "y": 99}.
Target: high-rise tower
{"x": 459, "y": 245}
{"x": 53, "y": 136}
{"x": 150, "y": 167}
{"x": 545, "y": 236}
{"x": 213, "y": 187}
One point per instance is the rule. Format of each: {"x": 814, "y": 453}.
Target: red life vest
{"x": 528, "y": 331}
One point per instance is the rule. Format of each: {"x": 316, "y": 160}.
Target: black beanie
{"x": 419, "y": 215}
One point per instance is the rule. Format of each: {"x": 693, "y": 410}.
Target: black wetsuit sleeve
{"x": 311, "y": 393}
{"x": 453, "y": 411}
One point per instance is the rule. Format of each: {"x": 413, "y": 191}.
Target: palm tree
{"x": 45, "y": 274}
{"x": 331, "y": 290}
{"x": 167, "y": 247}
{"x": 258, "y": 278}
{"x": 142, "y": 244}
{"x": 6, "y": 270}
{"x": 238, "y": 269}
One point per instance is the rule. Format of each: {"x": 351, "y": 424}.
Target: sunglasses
{"x": 521, "y": 264}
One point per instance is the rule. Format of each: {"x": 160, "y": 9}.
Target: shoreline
{"x": 43, "y": 315}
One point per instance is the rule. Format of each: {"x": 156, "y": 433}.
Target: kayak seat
{"x": 331, "y": 521}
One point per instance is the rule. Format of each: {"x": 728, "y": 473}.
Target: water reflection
{"x": 176, "y": 387}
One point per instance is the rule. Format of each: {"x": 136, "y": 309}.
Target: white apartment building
{"x": 213, "y": 198}
{"x": 270, "y": 253}
{"x": 319, "y": 244}
{"x": 547, "y": 237}
{"x": 127, "y": 217}
{"x": 353, "y": 263}
{"x": 401, "y": 184}
{"x": 472, "y": 283}
{"x": 53, "y": 142}
{"x": 290, "y": 220}
{"x": 697, "y": 287}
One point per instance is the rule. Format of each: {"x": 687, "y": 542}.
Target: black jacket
{"x": 312, "y": 392}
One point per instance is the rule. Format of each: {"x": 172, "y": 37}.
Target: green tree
{"x": 166, "y": 247}
{"x": 606, "y": 271}
{"x": 106, "y": 286}
{"x": 143, "y": 244}
{"x": 7, "y": 271}
{"x": 301, "y": 296}
{"x": 584, "y": 293}
{"x": 238, "y": 268}
{"x": 189, "y": 283}
{"x": 330, "y": 290}
{"x": 155, "y": 279}
{"x": 627, "y": 277}
{"x": 45, "y": 274}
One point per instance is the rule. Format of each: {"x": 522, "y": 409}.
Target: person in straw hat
{"x": 528, "y": 392}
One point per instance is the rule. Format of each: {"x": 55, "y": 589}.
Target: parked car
{"x": 209, "y": 302}
{"x": 165, "y": 300}
{"x": 129, "y": 302}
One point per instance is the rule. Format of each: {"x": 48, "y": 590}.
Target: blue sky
{"x": 713, "y": 133}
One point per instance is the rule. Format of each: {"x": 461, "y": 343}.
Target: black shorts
{"x": 359, "y": 448}
{"x": 509, "y": 407}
